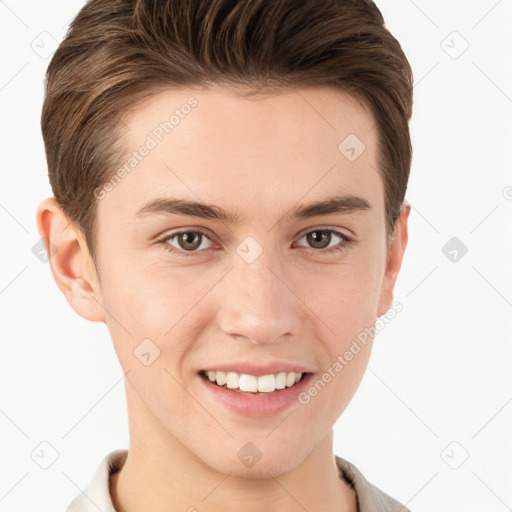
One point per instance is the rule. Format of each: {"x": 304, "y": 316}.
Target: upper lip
{"x": 258, "y": 369}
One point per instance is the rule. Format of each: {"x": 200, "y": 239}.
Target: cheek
{"x": 345, "y": 298}
{"x": 152, "y": 297}
{"x": 345, "y": 307}
{"x": 156, "y": 303}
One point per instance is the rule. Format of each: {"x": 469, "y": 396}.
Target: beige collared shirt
{"x": 97, "y": 495}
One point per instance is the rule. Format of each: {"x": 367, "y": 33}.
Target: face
{"x": 252, "y": 277}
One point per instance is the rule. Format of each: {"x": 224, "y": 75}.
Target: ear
{"x": 394, "y": 259}
{"x": 72, "y": 266}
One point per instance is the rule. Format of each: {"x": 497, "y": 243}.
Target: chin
{"x": 258, "y": 460}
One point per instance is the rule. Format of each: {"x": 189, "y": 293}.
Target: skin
{"x": 259, "y": 158}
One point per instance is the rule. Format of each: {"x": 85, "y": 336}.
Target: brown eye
{"x": 186, "y": 242}
{"x": 189, "y": 241}
{"x": 325, "y": 240}
{"x": 319, "y": 239}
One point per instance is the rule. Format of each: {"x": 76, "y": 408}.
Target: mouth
{"x": 251, "y": 384}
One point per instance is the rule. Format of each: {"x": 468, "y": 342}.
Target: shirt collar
{"x": 97, "y": 494}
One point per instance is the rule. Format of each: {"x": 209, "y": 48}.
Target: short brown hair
{"x": 117, "y": 52}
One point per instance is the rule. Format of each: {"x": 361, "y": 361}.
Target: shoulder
{"x": 97, "y": 494}
{"x": 369, "y": 497}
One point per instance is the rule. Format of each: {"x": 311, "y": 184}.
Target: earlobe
{"x": 71, "y": 264}
{"x": 394, "y": 260}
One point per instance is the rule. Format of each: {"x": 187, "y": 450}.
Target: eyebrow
{"x": 337, "y": 205}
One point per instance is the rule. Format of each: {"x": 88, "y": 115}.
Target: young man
{"x": 229, "y": 182}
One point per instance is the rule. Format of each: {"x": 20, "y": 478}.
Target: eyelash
{"x": 339, "y": 247}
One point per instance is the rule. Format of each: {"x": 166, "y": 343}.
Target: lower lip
{"x": 251, "y": 404}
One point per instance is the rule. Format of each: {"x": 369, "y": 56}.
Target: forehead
{"x": 223, "y": 147}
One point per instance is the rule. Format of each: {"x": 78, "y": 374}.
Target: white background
{"x": 438, "y": 388}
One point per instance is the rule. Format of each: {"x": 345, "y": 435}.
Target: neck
{"x": 179, "y": 480}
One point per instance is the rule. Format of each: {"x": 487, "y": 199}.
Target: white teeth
{"x": 232, "y": 380}
{"x": 251, "y": 383}
{"x": 281, "y": 380}
{"x": 290, "y": 379}
{"x": 248, "y": 383}
{"x": 220, "y": 378}
{"x": 266, "y": 384}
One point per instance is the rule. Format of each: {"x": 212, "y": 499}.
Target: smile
{"x": 252, "y": 384}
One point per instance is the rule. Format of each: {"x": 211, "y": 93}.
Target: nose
{"x": 257, "y": 301}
